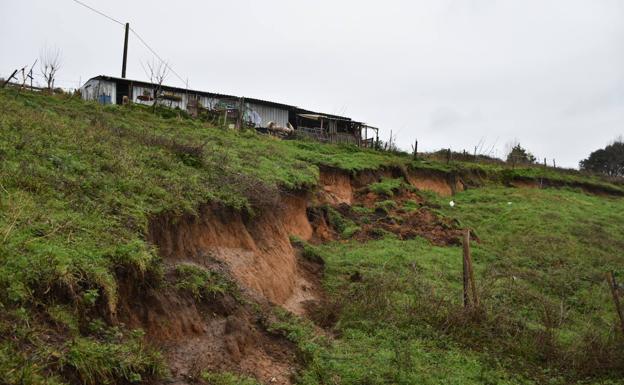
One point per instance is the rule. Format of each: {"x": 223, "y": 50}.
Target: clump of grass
{"x": 344, "y": 226}
{"x": 386, "y": 205}
{"x": 308, "y": 251}
{"x": 387, "y": 187}
{"x": 361, "y": 210}
{"x": 201, "y": 283}
{"x": 227, "y": 378}
{"x": 97, "y": 362}
{"x": 410, "y": 205}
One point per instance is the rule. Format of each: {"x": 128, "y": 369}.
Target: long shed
{"x": 260, "y": 113}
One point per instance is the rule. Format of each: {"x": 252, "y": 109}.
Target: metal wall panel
{"x": 140, "y": 90}
{"x": 95, "y": 89}
{"x": 270, "y": 114}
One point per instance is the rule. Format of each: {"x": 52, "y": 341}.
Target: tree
{"x": 50, "y": 63}
{"x": 518, "y": 154}
{"x": 157, "y": 71}
{"x": 608, "y": 161}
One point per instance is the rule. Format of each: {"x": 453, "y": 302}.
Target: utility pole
{"x": 125, "y": 52}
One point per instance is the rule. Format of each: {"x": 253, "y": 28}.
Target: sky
{"x": 548, "y": 74}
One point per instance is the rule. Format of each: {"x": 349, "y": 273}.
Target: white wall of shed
{"x": 94, "y": 88}
{"x": 271, "y": 114}
{"x": 139, "y": 90}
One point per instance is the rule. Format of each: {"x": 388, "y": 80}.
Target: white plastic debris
{"x": 452, "y": 203}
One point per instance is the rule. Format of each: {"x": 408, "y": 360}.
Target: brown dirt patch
{"x": 406, "y": 216}
{"x": 335, "y": 187}
{"x": 256, "y": 249}
{"x": 216, "y": 334}
{"x": 222, "y": 334}
{"x": 443, "y": 184}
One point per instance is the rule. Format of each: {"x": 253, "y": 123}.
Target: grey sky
{"x": 549, "y": 73}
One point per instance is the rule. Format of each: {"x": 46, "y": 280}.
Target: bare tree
{"x": 157, "y": 72}
{"x": 50, "y": 63}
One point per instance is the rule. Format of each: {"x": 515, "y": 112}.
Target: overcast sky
{"x": 451, "y": 73}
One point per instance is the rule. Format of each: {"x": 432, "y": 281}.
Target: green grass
{"x": 226, "y": 378}
{"x": 387, "y": 187}
{"x": 547, "y": 314}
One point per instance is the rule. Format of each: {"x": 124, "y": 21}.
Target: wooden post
{"x": 416, "y": 149}
{"x": 9, "y": 79}
{"x": 468, "y": 271}
{"x": 465, "y": 280}
{"x": 448, "y": 156}
{"x": 239, "y": 118}
{"x": 544, "y": 162}
{"x": 616, "y": 299}
{"x": 554, "y": 164}
{"x": 125, "y": 52}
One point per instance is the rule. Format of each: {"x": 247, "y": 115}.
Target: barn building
{"x": 256, "y": 112}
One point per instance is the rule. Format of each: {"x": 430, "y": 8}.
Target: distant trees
{"x": 608, "y": 161}
{"x": 518, "y": 154}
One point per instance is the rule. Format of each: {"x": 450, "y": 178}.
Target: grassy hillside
{"x": 547, "y": 314}
{"x": 79, "y": 182}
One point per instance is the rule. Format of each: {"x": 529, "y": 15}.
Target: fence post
{"x": 468, "y": 264}
{"x": 616, "y": 300}
{"x": 9, "y": 79}
{"x": 465, "y": 280}
{"x": 416, "y": 149}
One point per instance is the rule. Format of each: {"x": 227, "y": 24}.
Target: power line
{"x": 99, "y": 12}
{"x": 135, "y": 33}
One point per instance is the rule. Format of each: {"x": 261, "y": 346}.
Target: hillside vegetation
{"x": 79, "y": 183}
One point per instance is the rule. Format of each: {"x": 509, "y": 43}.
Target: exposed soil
{"x": 221, "y": 333}
{"x": 407, "y": 218}
{"x": 226, "y": 334}
{"x": 443, "y": 184}
{"x": 335, "y": 187}
{"x": 217, "y": 334}
{"x": 256, "y": 249}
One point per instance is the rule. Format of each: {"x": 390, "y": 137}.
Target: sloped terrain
{"x": 141, "y": 247}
